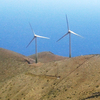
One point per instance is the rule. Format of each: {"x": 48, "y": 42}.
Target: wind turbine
{"x": 35, "y": 37}
{"x": 69, "y": 32}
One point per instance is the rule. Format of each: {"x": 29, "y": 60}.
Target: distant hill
{"x": 79, "y": 78}
{"x": 47, "y": 57}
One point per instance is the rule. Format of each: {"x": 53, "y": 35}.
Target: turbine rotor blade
{"x": 62, "y": 36}
{"x": 76, "y": 34}
{"x": 67, "y": 22}
{"x": 41, "y": 36}
{"x": 31, "y": 28}
{"x": 30, "y": 42}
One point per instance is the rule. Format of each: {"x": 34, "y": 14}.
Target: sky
{"x": 48, "y": 18}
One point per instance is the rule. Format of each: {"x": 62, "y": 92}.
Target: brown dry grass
{"x": 79, "y": 79}
{"x": 45, "y": 57}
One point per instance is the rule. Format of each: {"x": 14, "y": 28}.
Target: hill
{"x": 12, "y": 63}
{"x": 79, "y": 78}
{"x": 45, "y": 57}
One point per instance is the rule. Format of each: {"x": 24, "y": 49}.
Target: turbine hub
{"x": 69, "y": 31}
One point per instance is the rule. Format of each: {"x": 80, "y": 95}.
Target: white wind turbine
{"x": 69, "y": 32}
{"x": 35, "y": 37}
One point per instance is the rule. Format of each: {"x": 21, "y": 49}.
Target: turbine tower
{"x": 69, "y": 32}
{"x": 35, "y": 37}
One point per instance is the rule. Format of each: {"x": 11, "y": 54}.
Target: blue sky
{"x": 47, "y": 18}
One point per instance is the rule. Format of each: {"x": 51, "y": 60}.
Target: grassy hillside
{"x": 11, "y": 64}
{"x": 79, "y": 79}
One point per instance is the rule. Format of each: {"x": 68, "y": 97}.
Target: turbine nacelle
{"x": 40, "y": 36}
{"x": 35, "y": 37}
{"x": 69, "y": 32}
